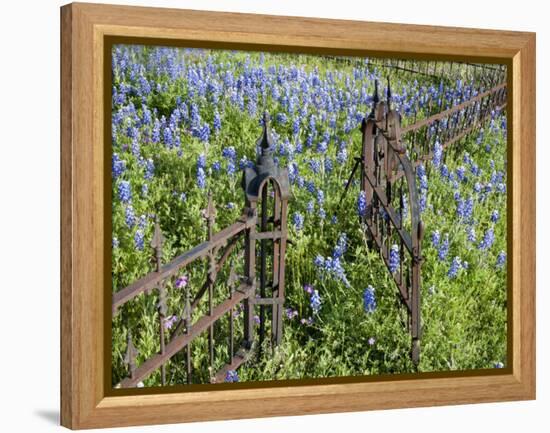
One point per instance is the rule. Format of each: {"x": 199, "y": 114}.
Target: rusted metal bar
{"x": 237, "y": 360}
{"x": 450, "y": 111}
{"x": 151, "y": 280}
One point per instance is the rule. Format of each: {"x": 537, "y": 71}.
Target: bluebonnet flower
{"x": 124, "y": 191}
{"x": 394, "y": 258}
{"x": 315, "y": 166}
{"x": 298, "y": 220}
{"x": 320, "y": 197}
{"x": 444, "y": 170}
{"x": 167, "y": 136}
{"x": 332, "y": 267}
{"x": 217, "y": 122}
{"x": 438, "y": 154}
{"x": 477, "y": 187}
{"x": 310, "y": 186}
{"x": 461, "y": 173}
{"x": 319, "y": 261}
{"x": 322, "y": 213}
{"x": 229, "y": 152}
{"x": 139, "y": 240}
{"x": 342, "y": 155}
{"x": 230, "y": 205}
{"x": 465, "y": 208}
{"x": 149, "y": 169}
{"x": 130, "y": 216}
{"x": 436, "y": 237}
{"x": 144, "y": 190}
{"x": 310, "y": 207}
{"x": 115, "y": 242}
{"x": 201, "y": 178}
{"x": 362, "y": 204}
{"x": 369, "y": 300}
{"x": 328, "y": 165}
{"x": 495, "y": 216}
{"x": 281, "y": 118}
{"x": 296, "y": 126}
{"x": 456, "y": 265}
{"x": 201, "y": 161}
{"x": 499, "y": 365}
{"x": 341, "y": 246}
{"x": 231, "y": 376}
{"x": 315, "y": 302}
{"x": 487, "y": 240}
{"x": 443, "y": 249}
{"x": 501, "y": 259}
{"x": 202, "y": 133}
{"x": 216, "y": 166}
{"x": 231, "y": 168}
{"x": 322, "y": 146}
{"x": 183, "y": 197}
{"x": 471, "y": 234}
{"x": 118, "y": 166}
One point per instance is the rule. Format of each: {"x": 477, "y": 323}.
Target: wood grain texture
{"x": 84, "y": 400}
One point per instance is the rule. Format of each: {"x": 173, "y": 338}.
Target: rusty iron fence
{"x": 263, "y": 225}
{"x": 391, "y": 155}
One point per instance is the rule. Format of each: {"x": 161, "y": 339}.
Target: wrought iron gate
{"x": 261, "y": 285}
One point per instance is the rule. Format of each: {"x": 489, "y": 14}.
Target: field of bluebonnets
{"x": 185, "y": 122}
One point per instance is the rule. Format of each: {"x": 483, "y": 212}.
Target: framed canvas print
{"x": 311, "y": 215}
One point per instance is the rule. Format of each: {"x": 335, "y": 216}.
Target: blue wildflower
{"x": 487, "y": 240}
{"x": 394, "y": 258}
{"x": 456, "y": 265}
{"x": 495, "y": 216}
{"x": 217, "y": 122}
{"x": 231, "y": 376}
{"x": 124, "y": 191}
{"x": 437, "y": 154}
{"x": 362, "y": 204}
{"x": 118, "y": 166}
{"x": 298, "y": 220}
{"x": 471, "y": 234}
{"x": 369, "y": 300}
{"x": 139, "y": 240}
{"x": 315, "y": 302}
{"x": 130, "y": 216}
{"x": 501, "y": 259}
{"x": 201, "y": 178}
{"x": 443, "y": 249}
{"x": 436, "y": 237}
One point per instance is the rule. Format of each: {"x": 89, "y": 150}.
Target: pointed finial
{"x": 376, "y": 98}
{"x": 265, "y": 141}
{"x": 131, "y": 353}
{"x": 158, "y": 237}
{"x": 156, "y": 244}
{"x": 210, "y": 209}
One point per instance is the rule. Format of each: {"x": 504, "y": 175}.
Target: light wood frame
{"x": 85, "y": 400}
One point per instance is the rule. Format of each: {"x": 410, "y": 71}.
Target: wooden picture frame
{"x": 85, "y": 31}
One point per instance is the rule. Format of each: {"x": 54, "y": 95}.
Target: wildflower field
{"x": 185, "y": 123}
